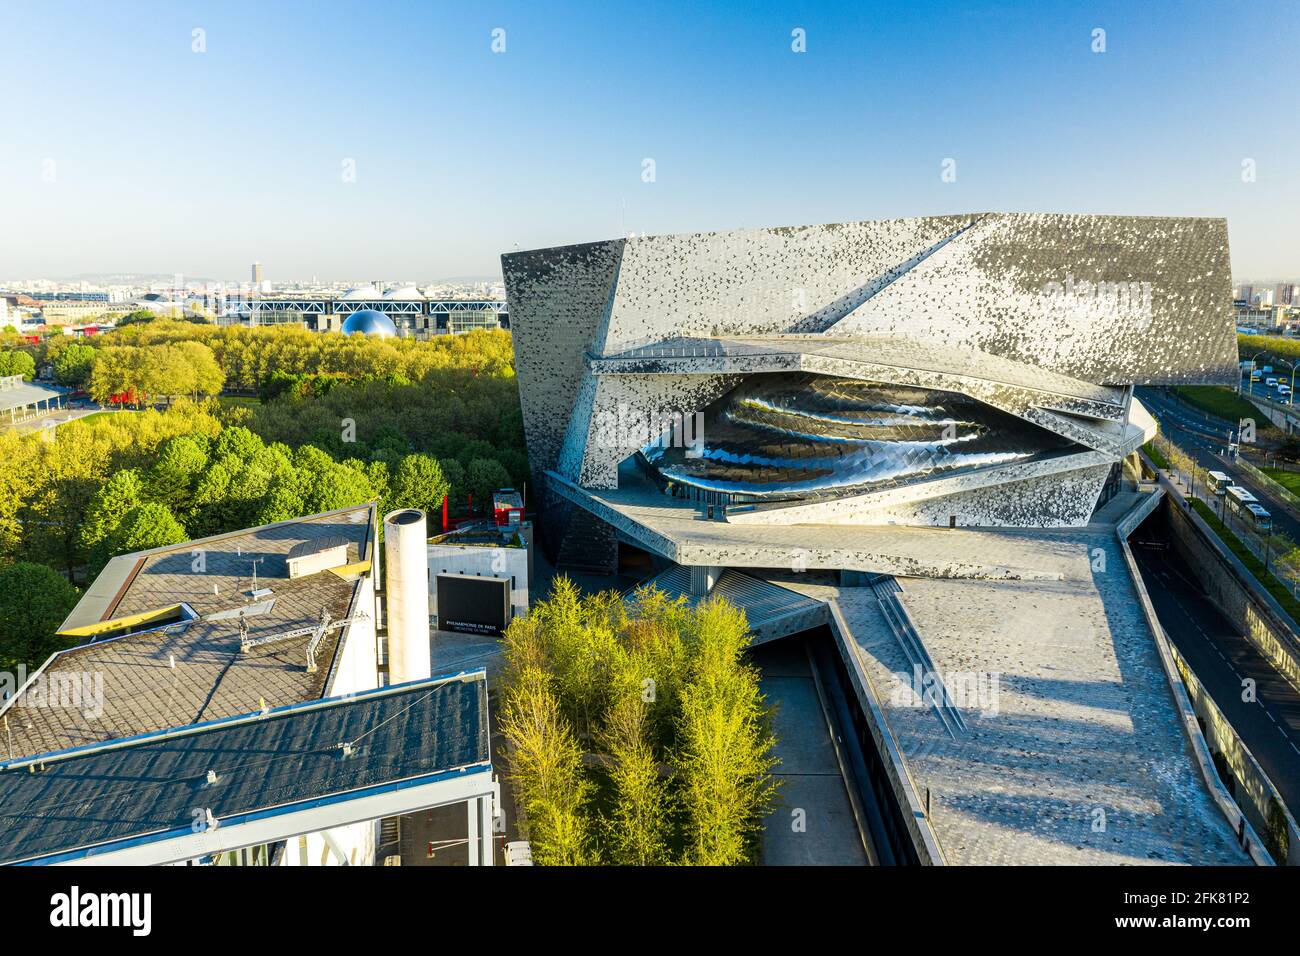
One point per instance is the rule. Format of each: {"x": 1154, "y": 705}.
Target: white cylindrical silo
{"x": 406, "y": 587}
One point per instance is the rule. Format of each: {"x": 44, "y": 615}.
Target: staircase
{"x": 887, "y": 590}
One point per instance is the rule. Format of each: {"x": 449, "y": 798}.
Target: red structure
{"x": 507, "y": 507}
{"x": 126, "y": 397}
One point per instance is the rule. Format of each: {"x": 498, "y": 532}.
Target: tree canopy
{"x": 34, "y": 601}
{"x": 15, "y": 362}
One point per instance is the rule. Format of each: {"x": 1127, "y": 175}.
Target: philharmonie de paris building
{"x": 921, "y": 434}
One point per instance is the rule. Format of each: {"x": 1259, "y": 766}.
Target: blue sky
{"x": 122, "y": 149}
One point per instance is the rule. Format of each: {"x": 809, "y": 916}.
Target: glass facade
{"x": 468, "y": 320}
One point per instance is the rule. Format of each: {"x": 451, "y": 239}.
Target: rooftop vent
{"x": 320, "y": 554}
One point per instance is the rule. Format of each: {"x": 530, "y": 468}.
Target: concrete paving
{"x": 675, "y": 529}
{"x": 812, "y": 822}
{"x": 1073, "y": 752}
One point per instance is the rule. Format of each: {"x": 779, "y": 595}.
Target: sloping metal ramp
{"x": 772, "y": 611}
{"x": 188, "y": 792}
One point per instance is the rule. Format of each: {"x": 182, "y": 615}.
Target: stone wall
{"x": 1234, "y": 591}
{"x": 1251, "y": 789}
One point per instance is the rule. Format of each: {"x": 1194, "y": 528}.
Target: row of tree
{"x": 450, "y": 397}
{"x": 638, "y": 734}
{"x": 142, "y": 374}
{"x": 250, "y": 357}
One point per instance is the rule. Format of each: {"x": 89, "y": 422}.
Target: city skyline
{"x": 278, "y": 137}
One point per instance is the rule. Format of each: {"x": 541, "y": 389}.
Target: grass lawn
{"x": 1223, "y": 402}
{"x": 1290, "y": 480}
{"x": 244, "y": 401}
{"x": 1156, "y": 455}
{"x": 95, "y": 415}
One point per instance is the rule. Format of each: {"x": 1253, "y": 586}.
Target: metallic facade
{"x": 827, "y": 361}
{"x": 791, "y": 437}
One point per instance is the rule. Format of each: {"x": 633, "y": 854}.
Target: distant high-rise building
{"x": 257, "y": 274}
{"x": 1264, "y": 298}
{"x": 1285, "y": 294}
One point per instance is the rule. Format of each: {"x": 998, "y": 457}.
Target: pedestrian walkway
{"x": 812, "y": 823}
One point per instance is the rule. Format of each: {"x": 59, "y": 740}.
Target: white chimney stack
{"x": 406, "y": 559}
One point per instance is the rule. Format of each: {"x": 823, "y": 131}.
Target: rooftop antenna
{"x": 256, "y": 561}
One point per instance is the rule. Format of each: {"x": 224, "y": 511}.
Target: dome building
{"x": 406, "y": 293}
{"x": 369, "y": 322}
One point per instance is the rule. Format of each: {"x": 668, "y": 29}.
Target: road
{"x": 1205, "y": 438}
{"x": 1221, "y": 657}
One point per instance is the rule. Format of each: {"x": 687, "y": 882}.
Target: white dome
{"x": 406, "y": 293}
{"x": 360, "y": 293}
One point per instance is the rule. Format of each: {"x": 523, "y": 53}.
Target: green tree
{"x": 73, "y": 363}
{"x": 638, "y": 826}
{"x": 339, "y": 486}
{"x": 117, "y": 497}
{"x": 475, "y": 448}
{"x": 241, "y": 442}
{"x": 202, "y": 375}
{"x": 13, "y": 362}
{"x": 454, "y": 474}
{"x": 150, "y": 525}
{"x": 418, "y": 482}
{"x": 176, "y": 472}
{"x": 34, "y": 601}
{"x": 212, "y": 508}
{"x": 724, "y": 758}
{"x": 484, "y": 476}
{"x": 548, "y": 774}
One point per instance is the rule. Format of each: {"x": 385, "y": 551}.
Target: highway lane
{"x": 1205, "y": 439}
{"x": 1221, "y": 657}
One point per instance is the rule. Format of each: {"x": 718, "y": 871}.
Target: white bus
{"x": 1240, "y": 496}
{"x": 1248, "y": 508}
{"x": 1220, "y": 482}
{"x": 1263, "y": 520}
